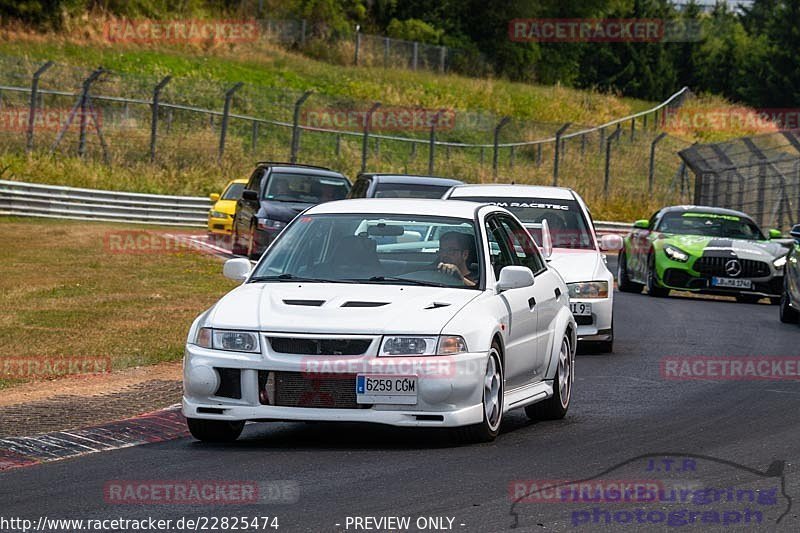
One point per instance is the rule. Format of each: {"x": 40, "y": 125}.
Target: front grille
{"x": 297, "y": 389}
{"x": 300, "y": 346}
{"x": 219, "y": 226}
{"x": 715, "y": 266}
{"x": 230, "y": 383}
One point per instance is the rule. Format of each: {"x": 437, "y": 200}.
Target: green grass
{"x": 66, "y": 294}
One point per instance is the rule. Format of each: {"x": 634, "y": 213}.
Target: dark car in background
{"x": 274, "y": 195}
{"x": 790, "y": 299}
{"x": 374, "y": 185}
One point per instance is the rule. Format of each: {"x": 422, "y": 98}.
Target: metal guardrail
{"x": 32, "y": 199}
{"x": 50, "y": 201}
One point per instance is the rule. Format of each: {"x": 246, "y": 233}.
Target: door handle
{"x": 557, "y": 293}
{"x": 531, "y": 302}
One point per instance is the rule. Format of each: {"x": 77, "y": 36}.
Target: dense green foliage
{"x": 748, "y": 55}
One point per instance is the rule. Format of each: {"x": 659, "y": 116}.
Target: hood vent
{"x": 307, "y": 303}
{"x": 364, "y": 304}
{"x": 436, "y": 305}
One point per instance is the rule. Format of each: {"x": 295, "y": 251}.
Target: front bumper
{"x": 220, "y": 226}
{"x": 450, "y": 388}
{"x": 683, "y": 280}
{"x": 596, "y": 327}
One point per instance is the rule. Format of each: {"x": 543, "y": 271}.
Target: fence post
{"x": 386, "y": 46}
{"x": 611, "y": 139}
{"x": 358, "y": 46}
{"x": 557, "y": 153}
{"x": 416, "y": 55}
{"x": 483, "y": 155}
{"x": 651, "y": 173}
{"x": 633, "y": 129}
{"x": 644, "y": 118}
{"x": 338, "y": 145}
{"x": 84, "y": 103}
{"x": 225, "y": 116}
{"x": 503, "y": 122}
{"x": 32, "y": 111}
{"x": 154, "y": 116}
{"x": 583, "y": 144}
{"x": 442, "y": 57}
{"x": 602, "y": 139}
{"x": 303, "y": 25}
{"x": 511, "y": 157}
{"x": 432, "y": 146}
{"x": 254, "y": 136}
{"x": 365, "y": 140}
{"x": 538, "y": 154}
{"x": 296, "y": 126}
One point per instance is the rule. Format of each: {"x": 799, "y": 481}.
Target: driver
{"x": 455, "y": 253}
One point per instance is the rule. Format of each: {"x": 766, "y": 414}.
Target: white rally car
{"x": 409, "y": 313}
{"x": 577, "y": 252}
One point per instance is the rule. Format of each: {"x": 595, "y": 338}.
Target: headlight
{"x": 268, "y": 223}
{"x": 588, "y": 289}
{"x": 218, "y": 214}
{"x": 420, "y": 345}
{"x": 780, "y": 262}
{"x": 221, "y": 339}
{"x": 676, "y": 254}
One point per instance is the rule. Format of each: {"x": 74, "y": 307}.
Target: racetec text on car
{"x": 577, "y": 254}
{"x": 702, "y": 249}
{"x": 381, "y": 311}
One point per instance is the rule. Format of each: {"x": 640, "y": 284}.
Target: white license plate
{"x": 401, "y": 390}
{"x": 581, "y": 308}
{"x": 732, "y": 282}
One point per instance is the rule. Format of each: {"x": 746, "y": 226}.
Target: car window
{"x": 233, "y": 192}
{"x": 525, "y": 251}
{"x": 709, "y": 225}
{"x": 255, "y": 179}
{"x": 408, "y": 190}
{"x": 499, "y": 254}
{"x": 360, "y": 188}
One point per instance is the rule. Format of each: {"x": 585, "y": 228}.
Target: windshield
{"x": 370, "y": 248}
{"x": 568, "y": 227}
{"x": 305, "y": 188}
{"x": 408, "y": 190}
{"x": 233, "y": 192}
{"x": 710, "y": 225}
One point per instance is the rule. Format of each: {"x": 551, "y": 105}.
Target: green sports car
{"x": 702, "y": 249}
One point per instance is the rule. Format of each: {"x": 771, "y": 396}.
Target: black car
{"x": 790, "y": 299}
{"x": 274, "y": 195}
{"x": 372, "y": 185}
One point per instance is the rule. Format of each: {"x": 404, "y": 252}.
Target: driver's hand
{"x": 451, "y": 269}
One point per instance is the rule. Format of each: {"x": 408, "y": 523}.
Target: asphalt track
{"x": 743, "y": 434}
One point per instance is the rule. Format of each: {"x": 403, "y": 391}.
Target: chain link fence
{"x": 759, "y": 175}
{"x": 185, "y": 124}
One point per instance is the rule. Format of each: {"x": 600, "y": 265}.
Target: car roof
{"x": 400, "y": 206}
{"x": 239, "y": 180}
{"x": 513, "y": 191}
{"x": 706, "y": 209}
{"x": 412, "y": 179}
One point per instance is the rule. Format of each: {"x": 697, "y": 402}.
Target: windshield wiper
{"x": 403, "y": 280}
{"x": 292, "y": 277}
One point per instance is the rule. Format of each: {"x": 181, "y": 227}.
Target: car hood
{"x": 225, "y": 206}
{"x": 287, "y": 307}
{"x": 578, "y": 265}
{"x": 697, "y": 245}
{"x": 283, "y": 211}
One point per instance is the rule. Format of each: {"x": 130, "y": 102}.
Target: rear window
{"x": 234, "y": 192}
{"x": 407, "y": 190}
{"x": 305, "y": 188}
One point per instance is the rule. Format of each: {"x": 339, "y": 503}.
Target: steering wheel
{"x": 434, "y": 276}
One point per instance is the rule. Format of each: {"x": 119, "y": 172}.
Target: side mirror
{"x": 236, "y": 269}
{"x": 213, "y": 196}
{"x": 795, "y": 232}
{"x": 547, "y": 241}
{"x": 514, "y": 277}
{"x": 611, "y": 242}
{"x": 250, "y": 195}
{"x": 775, "y": 234}
{"x": 642, "y": 224}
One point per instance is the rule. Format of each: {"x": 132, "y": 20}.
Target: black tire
{"x": 557, "y": 405}
{"x": 652, "y": 284}
{"x": 623, "y": 281}
{"x": 236, "y": 248}
{"x": 748, "y": 298}
{"x": 489, "y": 428}
{"x": 214, "y": 430}
{"x": 789, "y": 314}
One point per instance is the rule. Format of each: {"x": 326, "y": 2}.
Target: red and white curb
{"x": 159, "y": 426}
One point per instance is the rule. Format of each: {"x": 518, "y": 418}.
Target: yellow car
{"x": 220, "y": 216}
